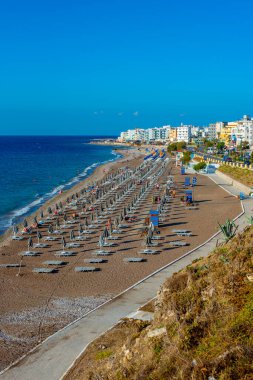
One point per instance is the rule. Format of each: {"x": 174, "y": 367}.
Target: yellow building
{"x": 226, "y": 132}
{"x": 173, "y": 134}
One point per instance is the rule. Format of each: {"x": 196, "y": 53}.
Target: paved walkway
{"x": 54, "y": 356}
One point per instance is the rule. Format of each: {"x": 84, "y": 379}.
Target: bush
{"x": 103, "y": 354}
{"x": 199, "y": 166}
{"x": 186, "y": 158}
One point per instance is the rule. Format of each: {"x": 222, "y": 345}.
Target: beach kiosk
{"x": 154, "y": 217}
{"x": 188, "y": 196}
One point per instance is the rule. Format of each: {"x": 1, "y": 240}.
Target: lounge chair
{"x": 44, "y": 270}
{"x": 86, "y": 269}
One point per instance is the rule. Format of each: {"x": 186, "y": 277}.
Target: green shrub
{"x": 199, "y": 166}
{"x": 103, "y": 354}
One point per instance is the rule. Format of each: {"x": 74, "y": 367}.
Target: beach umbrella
{"x": 77, "y": 195}
{"x": 56, "y": 206}
{"x": 49, "y": 210}
{"x": 105, "y": 233}
{"x": 35, "y": 220}
{"x": 65, "y": 217}
{"x": 15, "y": 230}
{"x": 30, "y": 243}
{"x": 57, "y": 223}
{"x": 111, "y": 229}
{"x": 148, "y": 240}
{"x": 25, "y": 224}
{"x": 72, "y": 235}
{"x": 67, "y": 200}
{"x": 80, "y": 229}
{"x": 63, "y": 242}
{"x": 86, "y": 222}
{"x": 41, "y": 214}
{"x": 50, "y": 229}
{"x": 39, "y": 236}
{"x": 92, "y": 217}
{"x": 101, "y": 241}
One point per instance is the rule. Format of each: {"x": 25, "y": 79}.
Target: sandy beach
{"x": 34, "y": 306}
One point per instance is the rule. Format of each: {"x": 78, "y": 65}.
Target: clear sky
{"x": 102, "y": 66}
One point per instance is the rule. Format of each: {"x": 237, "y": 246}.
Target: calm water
{"x": 33, "y": 169}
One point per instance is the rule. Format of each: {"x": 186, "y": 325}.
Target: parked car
{"x": 227, "y": 159}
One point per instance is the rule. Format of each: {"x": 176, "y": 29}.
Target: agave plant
{"x": 228, "y": 229}
{"x": 250, "y": 220}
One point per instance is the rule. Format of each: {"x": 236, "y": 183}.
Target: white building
{"x": 184, "y": 133}
{"x": 243, "y": 131}
{"x": 158, "y": 134}
{"x": 211, "y": 131}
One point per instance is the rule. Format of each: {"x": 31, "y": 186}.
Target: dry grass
{"x": 207, "y": 313}
{"x": 244, "y": 176}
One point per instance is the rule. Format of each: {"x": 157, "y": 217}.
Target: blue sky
{"x": 99, "y": 67}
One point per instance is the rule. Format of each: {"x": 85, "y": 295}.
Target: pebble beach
{"x": 33, "y": 305}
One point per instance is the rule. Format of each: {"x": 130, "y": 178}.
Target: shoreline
{"x": 96, "y": 174}
{"x": 35, "y": 306}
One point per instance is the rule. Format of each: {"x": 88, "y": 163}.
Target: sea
{"x": 35, "y": 168}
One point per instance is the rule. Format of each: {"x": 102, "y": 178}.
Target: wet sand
{"x": 33, "y": 306}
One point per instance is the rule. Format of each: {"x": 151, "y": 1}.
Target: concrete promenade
{"x": 55, "y": 355}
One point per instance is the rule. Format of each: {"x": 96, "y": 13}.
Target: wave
{"x": 7, "y": 220}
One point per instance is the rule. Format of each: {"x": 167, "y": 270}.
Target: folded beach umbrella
{"x": 30, "y": 243}
{"x": 148, "y": 240}
{"x": 35, "y": 220}
{"x": 86, "y": 222}
{"x": 15, "y": 229}
{"x": 25, "y": 224}
{"x": 57, "y": 223}
{"x": 63, "y": 241}
{"x": 50, "y": 229}
{"x": 77, "y": 195}
{"x": 56, "y": 206}
{"x": 72, "y": 235}
{"x": 111, "y": 229}
{"x": 65, "y": 217}
{"x": 41, "y": 214}
{"x": 49, "y": 210}
{"x": 101, "y": 241}
{"x": 60, "y": 205}
{"x": 105, "y": 233}
{"x": 80, "y": 229}
{"x": 39, "y": 236}
{"x": 73, "y": 196}
{"x": 67, "y": 200}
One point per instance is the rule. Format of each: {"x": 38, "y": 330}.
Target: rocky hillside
{"x": 202, "y": 327}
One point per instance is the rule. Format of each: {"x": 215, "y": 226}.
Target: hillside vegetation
{"x": 202, "y": 327}
{"x": 244, "y": 176}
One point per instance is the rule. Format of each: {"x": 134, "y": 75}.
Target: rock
{"x": 250, "y": 277}
{"x": 157, "y": 332}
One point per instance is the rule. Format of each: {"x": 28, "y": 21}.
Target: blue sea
{"x": 34, "y": 169}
